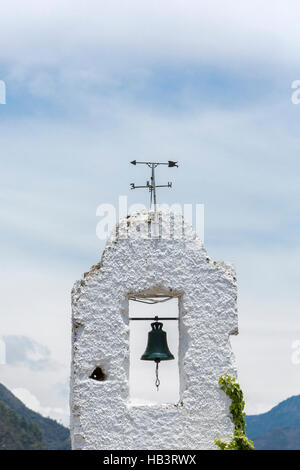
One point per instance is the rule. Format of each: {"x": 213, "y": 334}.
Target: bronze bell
{"x": 157, "y": 348}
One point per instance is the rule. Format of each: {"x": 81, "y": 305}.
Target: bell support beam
{"x": 155, "y": 318}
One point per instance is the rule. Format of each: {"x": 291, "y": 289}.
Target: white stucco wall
{"x": 101, "y": 414}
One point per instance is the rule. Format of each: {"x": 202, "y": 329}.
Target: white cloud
{"x": 27, "y": 398}
{"x": 31, "y": 401}
{"x": 22, "y": 350}
{"x": 120, "y": 34}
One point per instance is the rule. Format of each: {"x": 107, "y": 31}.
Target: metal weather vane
{"x": 152, "y": 186}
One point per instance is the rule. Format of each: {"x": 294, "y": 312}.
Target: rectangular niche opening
{"x": 142, "y": 389}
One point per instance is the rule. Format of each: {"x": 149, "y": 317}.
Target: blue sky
{"x": 89, "y": 88}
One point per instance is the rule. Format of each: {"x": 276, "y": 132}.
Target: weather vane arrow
{"x": 152, "y": 185}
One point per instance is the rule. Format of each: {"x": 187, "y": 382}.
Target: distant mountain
{"x": 279, "y": 428}
{"x": 54, "y": 435}
{"x": 279, "y": 439}
{"x": 17, "y": 433}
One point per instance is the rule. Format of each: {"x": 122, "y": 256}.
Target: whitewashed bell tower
{"x": 152, "y": 254}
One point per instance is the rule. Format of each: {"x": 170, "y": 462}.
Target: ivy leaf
{"x": 239, "y": 440}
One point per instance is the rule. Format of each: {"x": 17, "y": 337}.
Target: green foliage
{"x": 55, "y": 436}
{"x": 17, "y": 433}
{"x": 239, "y": 439}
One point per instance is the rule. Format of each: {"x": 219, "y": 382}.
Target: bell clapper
{"x": 157, "y": 381}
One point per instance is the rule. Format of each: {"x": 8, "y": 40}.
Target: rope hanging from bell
{"x": 157, "y": 381}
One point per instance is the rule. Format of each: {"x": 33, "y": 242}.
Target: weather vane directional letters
{"x": 151, "y": 185}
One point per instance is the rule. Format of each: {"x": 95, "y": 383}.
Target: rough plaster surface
{"x": 133, "y": 263}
